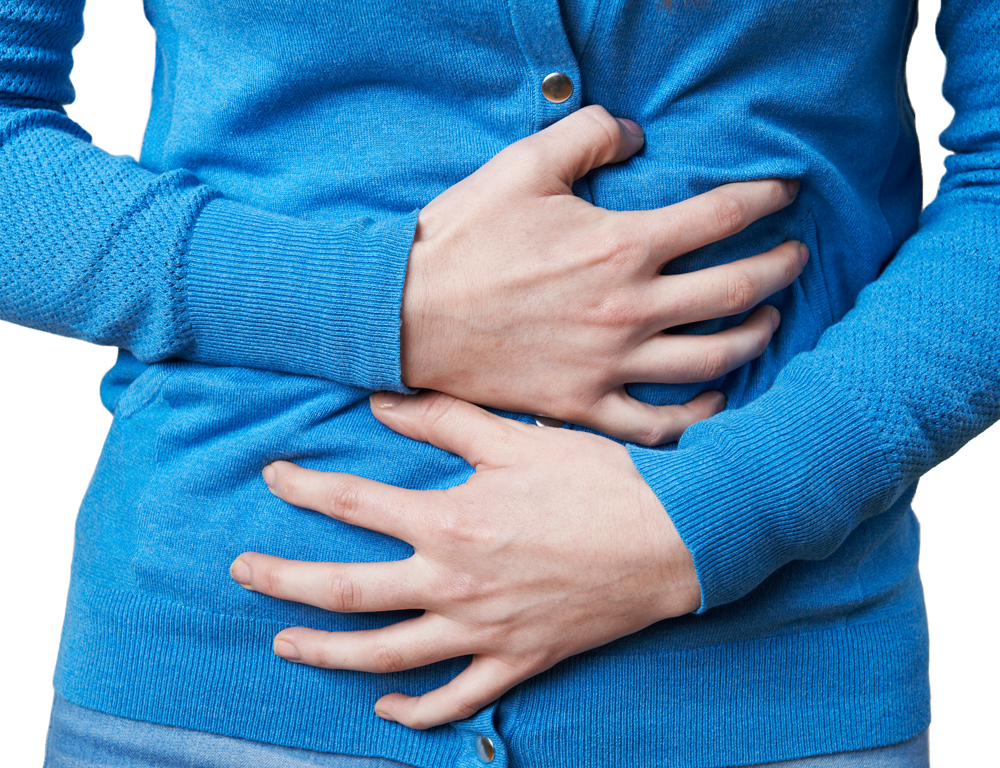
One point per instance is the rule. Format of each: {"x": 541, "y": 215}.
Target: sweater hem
{"x": 781, "y": 697}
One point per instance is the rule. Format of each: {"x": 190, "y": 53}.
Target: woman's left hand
{"x": 554, "y": 546}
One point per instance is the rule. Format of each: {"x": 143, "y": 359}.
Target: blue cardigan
{"x": 250, "y": 268}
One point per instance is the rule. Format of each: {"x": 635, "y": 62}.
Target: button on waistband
{"x": 557, "y": 87}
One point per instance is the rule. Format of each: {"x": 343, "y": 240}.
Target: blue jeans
{"x": 81, "y": 737}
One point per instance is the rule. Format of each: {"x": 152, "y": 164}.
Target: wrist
{"x": 679, "y": 591}
{"x": 682, "y": 591}
{"x": 412, "y": 313}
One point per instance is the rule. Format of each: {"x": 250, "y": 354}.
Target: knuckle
{"x": 268, "y": 579}
{"x": 777, "y": 192}
{"x": 617, "y": 312}
{"x": 651, "y": 435}
{"x": 531, "y": 159}
{"x": 464, "y": 534}
{"x": 730, "y": 212}
{"x": 601, "y": 136}
{"x": 464, "y": 707}
{"x": 463, "y": 589}
{"x": 602, "y": 120}
{"x": 453, "y": 527}
{"x": 445, "y": 527}
{"x": 596, "y": 111}
{"x": 624, "y": 248}
{"x": 342, "y": 500}
{"x": 288, "y": 484}
{"x": 343, "y": 594}
{"x": 421, "y": 721}
{"x": 713, "y": 364}
{"x": 386, "y": 659}
{"x": 496, "y": 634}
{"x": 327, "y": 656}
{"x": 435, "y": 407}
{"x": 741, "y": 292}
{"x": 448, "y": 520}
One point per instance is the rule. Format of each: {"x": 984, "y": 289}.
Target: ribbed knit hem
{"x": 766, "y": 700}
{"x": 774, "y": 698}
{"x": 152, "y": 660}
{"x": 786, "y": 478}
{"x": 284, "y": 294}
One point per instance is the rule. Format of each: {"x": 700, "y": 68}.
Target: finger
{"x": 709, "y": 217}
{"x": 355, "y": 500}
{"x": 341, "y": 587}
{"x": 626, "y": 418}
{"x": 728, "y": 289}
{"x": 580, "y": 142}
{"x": 453, "y": 425}
{"x": 405, "y": 645}
{"x": 481, "y": 683}
{"x": 690, "y": 359}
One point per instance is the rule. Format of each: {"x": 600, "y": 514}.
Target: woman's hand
{"x": 521, "y": 296}
{"x": 554, "y": 546}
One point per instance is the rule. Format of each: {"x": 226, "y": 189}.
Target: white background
{"x": 52, "y": 426}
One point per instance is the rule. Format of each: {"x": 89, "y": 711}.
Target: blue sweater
{"x": 250, "y": 268}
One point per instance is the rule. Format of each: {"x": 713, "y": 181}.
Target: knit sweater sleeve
{"x": 901, "y": 383}
{"x": 99, "y": 248}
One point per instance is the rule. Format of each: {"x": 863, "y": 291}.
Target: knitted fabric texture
{"x": 250, "y": 268}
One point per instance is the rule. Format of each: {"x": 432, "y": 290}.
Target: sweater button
{"x": 484, "y": 749}
{"x": 557, "y": 87}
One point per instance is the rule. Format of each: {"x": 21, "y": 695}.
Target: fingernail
{"x": 386, "y": 399}
{"x": 270, "y": 474}
{"x": 384, "y": 715}
{"x": 286, "y": 650}
{"x": 775, "y": 319}
{"x": 632, "y": 127}
{"x": 803, "y": 254}
{"x": 793, "y": 187}
{"x": 240, "y": 571}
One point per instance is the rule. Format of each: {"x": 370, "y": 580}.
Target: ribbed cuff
{"x": 284, "y": 294}
{"x": 786, "y": 478}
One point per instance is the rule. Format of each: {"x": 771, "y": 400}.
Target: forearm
{"x": 100, "y": 248}
{"x": 900, "y": 384}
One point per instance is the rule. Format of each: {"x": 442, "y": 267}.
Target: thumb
{"x": 586, "y": 139}
{"x": 445, "y": 422}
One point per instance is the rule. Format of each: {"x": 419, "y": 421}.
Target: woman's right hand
{"x": 521, "y": 296}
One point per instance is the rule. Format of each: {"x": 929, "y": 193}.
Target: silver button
{"x": 484, "y": 749}
{"x": 557, "y": 87}
{"x": 548, "y": 421}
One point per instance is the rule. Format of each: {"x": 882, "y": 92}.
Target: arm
{"x": 901, "y": 383}
{"x": 909, "y": 376}
{"x": 99, "y": 248}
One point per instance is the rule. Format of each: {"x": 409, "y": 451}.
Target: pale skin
{"x": 523, "y": 297}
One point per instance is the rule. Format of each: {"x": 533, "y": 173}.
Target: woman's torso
{"x": 326, "y": 111}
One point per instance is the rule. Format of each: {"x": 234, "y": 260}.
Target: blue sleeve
{"x": 98, "y": 248}
{"x": 900, "y": 384}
